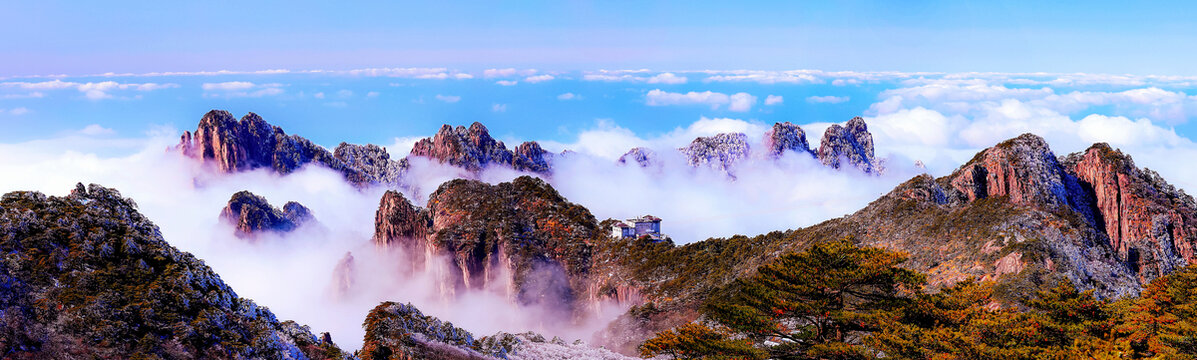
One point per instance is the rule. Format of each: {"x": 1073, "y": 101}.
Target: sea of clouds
{"x": 940, "y": 121}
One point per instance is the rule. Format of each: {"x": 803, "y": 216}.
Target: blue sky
{"x": 963, "y": 74}
{"x": 56, "y": 37}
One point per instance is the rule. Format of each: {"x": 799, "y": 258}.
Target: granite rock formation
{"x": 470, "y": 148}
{"x": 252, "y": 143}
{"x": 373, "y": 163}
{"x": 521, "y": 238}
{"x": 401, "y": 331}
{"x": 530, "y": 157}
{"x": 87, "y": 276}
{"x": 784, "y": 137}
{"x": 644, "y": 157}
{"x": 850, "y": 144}
{"x": 251, "y": 214}
{"x": 1149, "y": 223}
{"x": 719, "y": 152}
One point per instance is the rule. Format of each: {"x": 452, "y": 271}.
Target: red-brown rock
{"x": 1149, "y": 223}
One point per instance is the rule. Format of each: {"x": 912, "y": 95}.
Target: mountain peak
{"x": 720, "y": 151}
{"x": 251, "y": 214}
{"x": 473, "y": 149}
{"x": 852, "y": 143}
{"x": 784, "y": 137}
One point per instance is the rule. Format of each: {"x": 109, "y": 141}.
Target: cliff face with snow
{"x": 848, "y": 145}
{"x": 720, "y": 152}
{"x": 784, "y": 137}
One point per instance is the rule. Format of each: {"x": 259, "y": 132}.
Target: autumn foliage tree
{"x": 840, "y": 301}
{"x": 698, "y": 341}
{"x": 818, "y": 303}
{"x": 1163, "y": 321}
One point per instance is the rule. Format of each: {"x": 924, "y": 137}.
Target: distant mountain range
{"x": 1016, "y": 214}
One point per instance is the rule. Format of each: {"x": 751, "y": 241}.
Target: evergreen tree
{"x": 697, "y": 341}
{"x": 818, "y": 303}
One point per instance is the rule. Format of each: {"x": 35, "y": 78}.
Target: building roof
{"x": 645, "y": 218}
{"x": 623, "y": 225}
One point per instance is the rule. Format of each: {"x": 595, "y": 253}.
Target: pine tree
{"x": 698, "y": 341}
{"x": 818, "y": 303}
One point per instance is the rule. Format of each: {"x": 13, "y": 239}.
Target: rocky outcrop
{"x": 1149, "y": 223}
{"x": 89, "y": 266}
{"x": 399, "y": 224}
{"x": 252, "y": 143}
{"x": 642, "y": 156}
{"x": 719, "y": 152}
{"x": 530, "y": 157}
{"x": 521, "y": 238}
{"x": 1025, "y": 171}
{"x": 233, "y": 145}
{"x": 401, "y": 331}
{"x": 373, "y": 163}
{"x": 470, "y": 148}
{"x": 251, "y": 214}
{"x": 851, "y": 144}
{"x": 784, "y": 137}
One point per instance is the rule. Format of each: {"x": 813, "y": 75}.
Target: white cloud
{"x": 372, "y": 94}
{"x": 16, "y": 111}
{"x": 507, "y": 82}
{"x": 228, "y": 86}
{"x": 96, "y": 130}
{"x": 826, "y": 99}
{"x": 741, "y": 102}
{"x": 319, "y": 95}
{"x": 968, "y": 95}
{"x": 448, "y": 98}
{"x": 569, "y": 96}
{"x": 498, "y": 108}
{"x": 345, "y": 93}
{"x": 508, "y": 72}
{"x": 634, "y": 76}
{"x": 410, "y": 73}
{"x": 538, "y": 78}
{"x": 90, "y": 90}
{"x": 232, "y": 89}
{"x": 738, "y": 102}
{"x": 666, "y": 78}
{"x": 402, "y": 146}
{"x": 774, "y": 100}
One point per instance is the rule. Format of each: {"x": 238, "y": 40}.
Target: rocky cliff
{"x": 252, "y": 143}
{"x": 719, "y": 152}
{"x": 474, "y": 149}
{"x": 372, "y": 164}
{"x": 850, "y": 144}
{"x": 784, "y": 137}
{"x": 401, "y": 331}
{"x": 530, "y": 157}
{"x": 644, "y": 157}
{"x": 87, "y": 276}
{"x": 521, "y": 238}
{"x": 250, "y": 214}
{"x": 1148, "y": 223}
